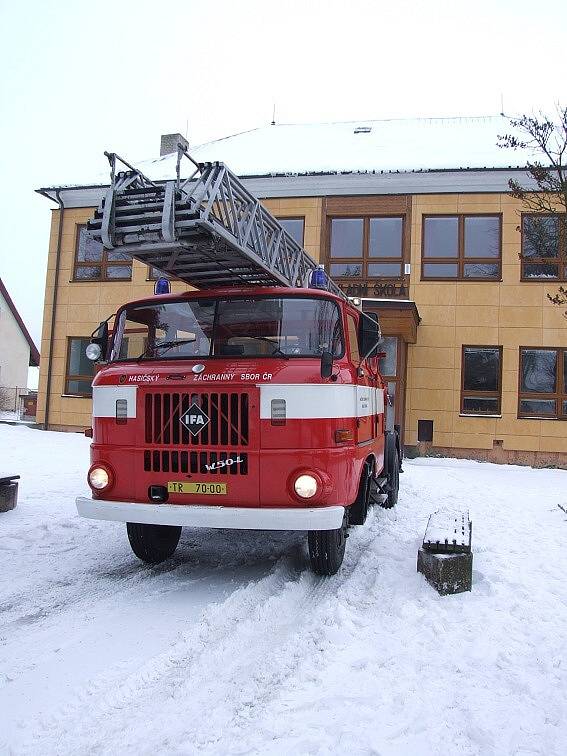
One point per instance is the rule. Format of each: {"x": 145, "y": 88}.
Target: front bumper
{"x": 195, "y": 516}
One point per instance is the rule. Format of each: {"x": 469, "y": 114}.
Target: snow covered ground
{"x": 234, "y": 647}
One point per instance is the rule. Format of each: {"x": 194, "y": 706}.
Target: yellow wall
{"x": 81, "y": 305}
{"x": 509, "y": 314}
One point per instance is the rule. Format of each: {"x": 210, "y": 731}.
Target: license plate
{"x": 197, "y": 488}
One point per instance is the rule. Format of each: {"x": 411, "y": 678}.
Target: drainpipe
{"x": 53, "y": 303}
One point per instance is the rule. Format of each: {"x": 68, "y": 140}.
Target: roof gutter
{"x": 59, "y": 201}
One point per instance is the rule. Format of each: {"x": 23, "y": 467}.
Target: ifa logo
{"x": 195, "y": 419}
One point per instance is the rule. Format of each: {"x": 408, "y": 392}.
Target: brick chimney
{"x": 169, "y": 143}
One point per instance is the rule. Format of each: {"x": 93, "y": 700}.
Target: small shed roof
{"x": 34, "y": 354}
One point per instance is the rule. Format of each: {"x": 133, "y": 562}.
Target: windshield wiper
{"x": 166, "y": 345}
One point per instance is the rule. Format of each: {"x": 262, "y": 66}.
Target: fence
{"x": 17, "y": 403}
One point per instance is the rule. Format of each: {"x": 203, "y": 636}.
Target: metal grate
{"x": 227, "y": 412}
{"x": 195, "y": 462}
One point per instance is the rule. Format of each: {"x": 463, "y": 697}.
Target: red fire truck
{"x": 256, "y": 406}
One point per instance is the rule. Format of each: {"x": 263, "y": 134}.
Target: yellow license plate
{"x": 197, "y": 488}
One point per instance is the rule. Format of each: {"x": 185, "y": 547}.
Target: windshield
{"x": 247, "y": 327}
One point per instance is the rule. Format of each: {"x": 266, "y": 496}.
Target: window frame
{"x": 281, "y": 218}
{"x": 461, "y": 260}
{"x": 560, "y": 260}
{"x": 366, "y": 259}
{"x": 559, "y": 396}
{"x": 76, "y": 376}
{"x": 103, "y": 264}
{"x": 481, "y": 394}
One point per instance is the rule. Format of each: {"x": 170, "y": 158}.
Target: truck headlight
{"x": 305, "y": 486}
{"x": 99, "y": 478}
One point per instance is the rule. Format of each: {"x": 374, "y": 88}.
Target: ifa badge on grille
{"x": 194, "y": 419}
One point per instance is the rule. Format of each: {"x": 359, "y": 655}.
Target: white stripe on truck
{"x": 104, "y": 400}
{"x": 318, "y": 402}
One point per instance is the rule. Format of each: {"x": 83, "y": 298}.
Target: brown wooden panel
{"x": 378, "y": 205}
{"x": 398, "y": 323}
{"x": 396, "y": 320}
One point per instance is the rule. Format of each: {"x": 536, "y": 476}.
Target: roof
{"x": 34, "y": 354}
{"x": 419, "y": 144}
{"x": 386, "y": 146}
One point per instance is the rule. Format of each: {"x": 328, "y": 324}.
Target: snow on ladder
{"x": 207, "y": 230}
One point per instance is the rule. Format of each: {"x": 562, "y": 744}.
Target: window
{"x": 94, "y": 263}
{"x": 155, "y": 273}
{"x": 294, "y": 227}
{"x": 461, "y": 247}
{"x": 481, "y": 380}
{"x": 366, "y": 247}
{"x": 80, "y": 370}
{"x": 544, "y": 247}
{"x": 241, "y": 327}
{"x": 543, "y": 383}
{"x": 353, "y": 339}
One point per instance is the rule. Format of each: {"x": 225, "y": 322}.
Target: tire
{"x": 393, "y": 483}
{"x": 358, "y": 511}
{"x": 327, "y": 548}
{"x": 153, "y": 543}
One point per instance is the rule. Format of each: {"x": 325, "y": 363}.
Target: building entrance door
{"x": 399, "y": 320}
{"x": 393, "y": 369}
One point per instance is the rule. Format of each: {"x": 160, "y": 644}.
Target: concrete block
{"x": 447, "y": 573}
{"x": 8, "y": 496}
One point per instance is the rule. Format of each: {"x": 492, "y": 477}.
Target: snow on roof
{"x": 360, "y": 146}
{"x": 397, "y": 145}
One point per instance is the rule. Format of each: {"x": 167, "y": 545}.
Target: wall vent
{"x": 425, "y": 430}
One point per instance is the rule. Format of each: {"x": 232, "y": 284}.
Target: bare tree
{"x": 546, "y": 138}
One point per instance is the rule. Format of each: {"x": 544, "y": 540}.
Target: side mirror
{"x": 96, "y": 350}
{"x": 326, "y": 365}
{"x": 370, "y": 335}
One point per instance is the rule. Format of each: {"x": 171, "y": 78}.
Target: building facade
{"x": 459, "y": 274}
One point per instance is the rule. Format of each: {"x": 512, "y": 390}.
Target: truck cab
{"x": 255, "y": 408}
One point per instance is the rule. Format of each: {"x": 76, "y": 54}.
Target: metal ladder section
{"x": 206, "y": 230}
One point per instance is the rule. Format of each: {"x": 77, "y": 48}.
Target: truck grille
{"x": 227, "y": 413}
{"x": 194, "y": 462}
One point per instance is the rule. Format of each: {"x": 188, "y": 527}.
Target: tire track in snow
{"x": 231, "y": 663}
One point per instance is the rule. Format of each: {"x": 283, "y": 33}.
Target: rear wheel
{"x": 327, "y": 548}
{"x": 153, "y": 543}
{"x": 359, "y": 510}
{"x": 393, "y": 479}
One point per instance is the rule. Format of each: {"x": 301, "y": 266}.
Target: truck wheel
{"x": 358, "y": 511}
{"x": 327, "y": 548}
{"x": 393, "y": 482}
{"x": 153, "y": 543}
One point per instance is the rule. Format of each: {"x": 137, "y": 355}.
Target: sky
{"x": 80, "y": 78}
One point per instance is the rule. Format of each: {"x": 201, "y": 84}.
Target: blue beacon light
{"x": 162, "y": 286}
{"x": 319, "y": 278}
